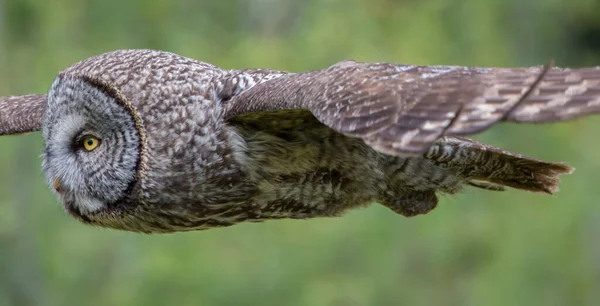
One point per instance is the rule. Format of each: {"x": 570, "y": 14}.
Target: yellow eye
{"x": 90, "y": 143}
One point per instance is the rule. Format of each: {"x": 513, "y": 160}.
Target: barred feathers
{"x": 492, "y": 168}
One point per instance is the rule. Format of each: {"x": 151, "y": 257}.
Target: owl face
{"x": 91, "y": 146}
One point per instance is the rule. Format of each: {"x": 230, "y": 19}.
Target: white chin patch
{"x": 88, "y": 205}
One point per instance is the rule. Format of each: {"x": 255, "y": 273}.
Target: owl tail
{"x": 491, "y": 168}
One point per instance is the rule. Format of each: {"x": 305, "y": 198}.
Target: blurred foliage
{"x": 478, "y": 248}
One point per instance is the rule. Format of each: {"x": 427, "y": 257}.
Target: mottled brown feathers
{"x": 21, "y": 114}
{"x": 492, "y": 168}
{"x": 403, "y": 110}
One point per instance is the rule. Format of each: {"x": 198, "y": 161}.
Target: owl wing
{"x": 21, "y": 114}
{"x": 403, "y": 110}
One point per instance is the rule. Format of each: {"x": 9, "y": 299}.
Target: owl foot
{"x": 413, "y": 203}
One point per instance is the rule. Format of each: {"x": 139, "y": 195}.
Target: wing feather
{"x": 21, "y": 114}
{"x": 403, "y": 110}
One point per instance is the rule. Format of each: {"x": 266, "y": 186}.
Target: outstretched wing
{"x": 21, "y": 114}
{"x": 403, "y": 110}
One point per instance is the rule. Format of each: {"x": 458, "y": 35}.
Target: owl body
{"x": 151, "y": 141}
{"x": 196, "y": 169}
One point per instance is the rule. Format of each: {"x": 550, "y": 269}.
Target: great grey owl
{"x": 150, "y": 141}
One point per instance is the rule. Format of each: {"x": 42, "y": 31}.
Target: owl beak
{"x": 57, "y": 186}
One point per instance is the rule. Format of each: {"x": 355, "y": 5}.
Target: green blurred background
{"x": 477, "y": 248}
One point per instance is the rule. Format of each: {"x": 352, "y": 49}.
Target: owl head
{"x": 131, "y": 140}
{"x": 92, "y": 144}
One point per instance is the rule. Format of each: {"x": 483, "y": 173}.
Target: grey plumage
{"x": 21, "y": 114}
{"x": 183, "y": 145}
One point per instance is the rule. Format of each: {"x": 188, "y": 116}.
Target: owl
{"x": 153, "y": 142}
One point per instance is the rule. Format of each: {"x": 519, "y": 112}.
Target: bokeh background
{"x": 478, "y": 248}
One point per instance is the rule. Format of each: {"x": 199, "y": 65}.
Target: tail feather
{"x": 487, "y": 185}
{"x": 492, "y": 168}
